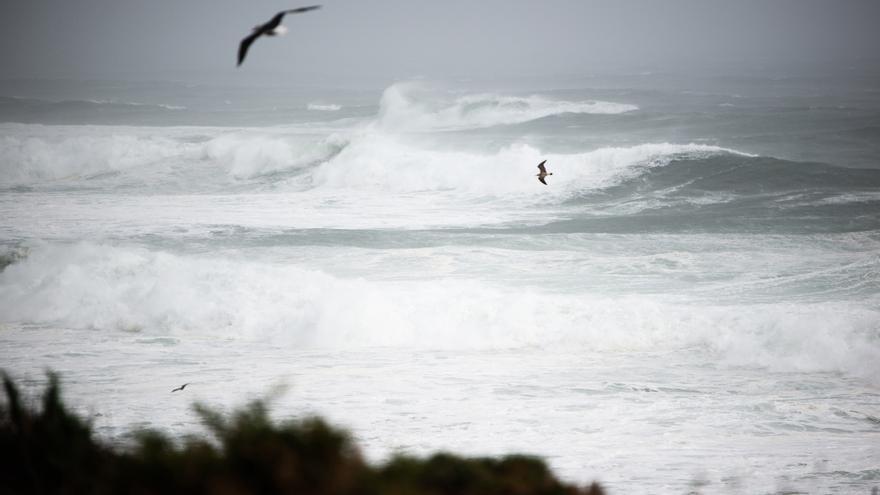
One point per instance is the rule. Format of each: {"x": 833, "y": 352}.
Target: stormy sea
{"x": 691, "y": 303}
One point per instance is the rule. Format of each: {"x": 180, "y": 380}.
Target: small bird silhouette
{"x": 180, "y": 387}
{"x": 543, "y": 172}
{"x": 271, "y": 28}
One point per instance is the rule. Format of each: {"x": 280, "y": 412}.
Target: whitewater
{"x": 692, "y": 303}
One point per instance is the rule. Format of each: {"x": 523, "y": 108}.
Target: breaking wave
{"x": 368, "y": 159}
{"x": 33, "y": 155}
{"x": 59, "y": 154}
{"x": 648, "y": 186}
{"x": 37, "y": 155}
{"x": 106, "y": 288}
{"x": 248, "y": 155}
{"x": 383, "y": 161}
{"x": 412, "y": 106}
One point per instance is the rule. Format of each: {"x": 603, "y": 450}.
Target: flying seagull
{"x": 180, "y": 387}
{"x": 543, "y": 172}
{"x": 271, "y": 28}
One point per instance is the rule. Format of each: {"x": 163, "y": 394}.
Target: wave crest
{"x": 377, "y": 160}
{"x": 410, "y": 106}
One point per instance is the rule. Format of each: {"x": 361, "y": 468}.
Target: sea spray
{"x": 413, "y": 106}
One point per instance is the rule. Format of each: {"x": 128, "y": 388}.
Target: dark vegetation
{"x": 51, "y": 450}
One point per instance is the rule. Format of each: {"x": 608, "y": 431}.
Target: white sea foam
{"x": 854, "y": 197}
{"x": 112, "y": 288}
{"x": 134, "y": 104}
{"x": 413, "y": 106}
{"x": 324, "y": 107}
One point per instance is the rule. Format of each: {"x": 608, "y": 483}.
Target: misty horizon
{"x": 396, "y": 39}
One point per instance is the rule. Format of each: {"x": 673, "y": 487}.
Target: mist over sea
{"x": 692, "y": 302}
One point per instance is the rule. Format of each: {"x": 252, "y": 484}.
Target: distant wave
{"x": 324, "y": 107}
{"x": 415, "y": 106}
{"x": 10, "y": 102}
{"x": 106, "y": 288}
{"x": 129, "y": 104}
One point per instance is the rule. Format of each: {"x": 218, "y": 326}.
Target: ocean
{"x": 691, "y": 304}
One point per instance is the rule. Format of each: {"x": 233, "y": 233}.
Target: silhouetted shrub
{"x": 52, "y": 451}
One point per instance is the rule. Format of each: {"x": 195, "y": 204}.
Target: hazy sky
{"x": 87, "y": 39}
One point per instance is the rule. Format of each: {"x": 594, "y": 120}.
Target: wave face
{"x": 246, "y": 155}
{"x": 731, "y": 192}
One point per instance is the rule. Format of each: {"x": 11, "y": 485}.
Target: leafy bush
{"x": 53, "y": 451}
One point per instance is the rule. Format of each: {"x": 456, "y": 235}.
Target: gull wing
{"x": 541, "y": 168}
{"x": 541, "y": 178}
{"x": 273, "y": 22}
{"x": 301, "y": 9}
{"x": 245, "y": 44}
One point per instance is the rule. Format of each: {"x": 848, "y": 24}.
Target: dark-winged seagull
{"x": 271, "y": 28}
{"x": 180, "y": 387}
{"x": 543, "y": 172}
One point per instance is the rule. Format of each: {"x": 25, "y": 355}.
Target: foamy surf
{"x": 361, "y": 159}
{"x": 690, "y": 302}
{"x": 107, "y": 289}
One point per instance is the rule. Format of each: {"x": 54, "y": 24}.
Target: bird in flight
{"x": 180, "y": 387}
{"x": 271, "y": 28}
{"x": 543, "y": 172}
